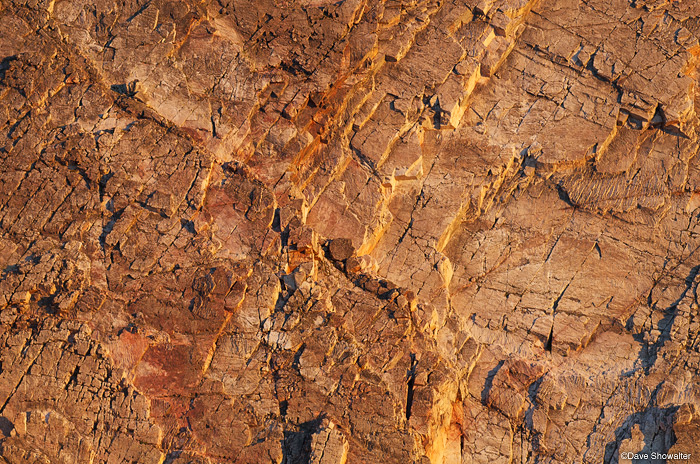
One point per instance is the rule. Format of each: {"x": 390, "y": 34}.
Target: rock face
{"x": 356, "y": 231}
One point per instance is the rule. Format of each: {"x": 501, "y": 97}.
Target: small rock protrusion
{"x": 340, "y": 249}
{"x": 353, "y": 265}
{"x": 328, "y": 445}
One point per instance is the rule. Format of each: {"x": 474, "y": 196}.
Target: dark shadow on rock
{"x": 296, "y": 446}
{"x": 489, "y": 382}
{"x": 172, "y": 457}
{"x": 655, "y": 423}
{"x": 6, "y": 427}
{"x": 650, "y": 351}
{"x": 5, "y": 65}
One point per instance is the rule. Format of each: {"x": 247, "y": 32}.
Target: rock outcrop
{"x": 356, "y": 231}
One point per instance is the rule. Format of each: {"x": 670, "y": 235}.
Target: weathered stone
{"x": 459, "y": 231}
{"x": 340, "y": 249}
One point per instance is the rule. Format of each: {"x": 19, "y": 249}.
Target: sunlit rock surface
{"x": 356, "y": 231}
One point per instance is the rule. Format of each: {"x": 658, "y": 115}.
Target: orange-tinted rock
{"x": 458, "y": 231}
